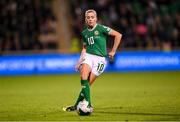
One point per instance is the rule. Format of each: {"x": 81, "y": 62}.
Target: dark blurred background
{"x": 43, "y": 26}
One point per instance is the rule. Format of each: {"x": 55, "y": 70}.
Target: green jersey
{"x": 95, "y": 39}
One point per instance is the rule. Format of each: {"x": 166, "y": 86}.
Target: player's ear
{"x": 85, "y": 20}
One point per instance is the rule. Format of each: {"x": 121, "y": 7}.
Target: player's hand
{"x": 111, "y": 54}
{"x": 77, "y": 67}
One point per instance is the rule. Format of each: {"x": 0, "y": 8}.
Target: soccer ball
{"x": 83, "y": 109}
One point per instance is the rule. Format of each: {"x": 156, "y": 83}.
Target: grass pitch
{"x": 115, "y": 96}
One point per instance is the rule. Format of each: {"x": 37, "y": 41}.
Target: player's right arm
{"x": 82, "y": 53}
{"x": 82, "y": 58}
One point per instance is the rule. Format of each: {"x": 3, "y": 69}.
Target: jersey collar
{"x": 92, "y": 28}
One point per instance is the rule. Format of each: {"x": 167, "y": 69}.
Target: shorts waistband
{"x": 95, "y": 55}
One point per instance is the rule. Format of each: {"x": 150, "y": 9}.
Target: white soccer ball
{"x": 83, "y": 109}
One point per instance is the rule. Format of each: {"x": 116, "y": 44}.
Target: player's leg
{"x": 85, "y": 91}
{"x": 89, "y": 73}
{"x": 92, "y": 78}
{"x": 85, "y": 71}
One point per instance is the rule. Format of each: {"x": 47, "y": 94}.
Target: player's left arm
{"x": 117, "y": 40}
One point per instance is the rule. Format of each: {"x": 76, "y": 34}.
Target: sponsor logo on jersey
{"x": 96, "y": 32}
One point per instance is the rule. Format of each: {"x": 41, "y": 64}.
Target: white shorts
{"x": 96, "y": 63}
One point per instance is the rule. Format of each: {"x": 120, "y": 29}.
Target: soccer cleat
{"x": 69, "y": 108}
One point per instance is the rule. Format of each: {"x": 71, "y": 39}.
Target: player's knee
{"x": 84, "y": 75}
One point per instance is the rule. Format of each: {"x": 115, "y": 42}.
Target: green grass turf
{"x": 115, "y": 96}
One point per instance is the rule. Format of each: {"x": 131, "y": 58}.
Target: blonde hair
{"x": 91, "y": 10}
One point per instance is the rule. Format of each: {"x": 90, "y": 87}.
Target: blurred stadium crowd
{"x": 26, "y": 25}
{"x": 145, "y": 24}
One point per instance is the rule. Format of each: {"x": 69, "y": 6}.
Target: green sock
{"x": 86, "y": 90}
{"x": 80, "y": 98}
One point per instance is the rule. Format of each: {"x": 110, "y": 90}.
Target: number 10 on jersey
{"x": 90, "y": 40}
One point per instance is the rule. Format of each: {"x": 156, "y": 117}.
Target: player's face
{"x": 91, "y": 19}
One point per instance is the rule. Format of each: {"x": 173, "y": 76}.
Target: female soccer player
{"x": 92, "y": 61}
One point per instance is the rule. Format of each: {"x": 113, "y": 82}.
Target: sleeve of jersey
{"x": 83, "y": 39}
{"x": 106, "y": 29}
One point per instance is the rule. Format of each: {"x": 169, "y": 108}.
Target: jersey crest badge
{"x": 96, "y": 32}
